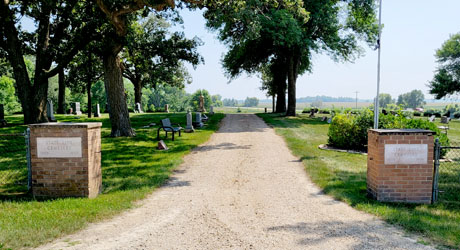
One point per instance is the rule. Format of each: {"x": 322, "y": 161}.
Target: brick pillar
{"x": 400, "y": 165}
{"x": 66, "y": 159}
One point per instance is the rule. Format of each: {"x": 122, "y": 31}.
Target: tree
{"x": 84, "y": 70}
{"x": 446, "y": 81}
{"x": 413, "y": 99}
{"x": 7, "y": 96}
{"x": 63, "y": 29}
{"x": 195, "y": 99}
{"x": 217, "y": 100}
{"x": 384, "y": 100}
{"x": 258, "y": 32}
{"x": 154, "y": 56}
{"x": 230, "y": 102}
{"x": 251, "y": 102}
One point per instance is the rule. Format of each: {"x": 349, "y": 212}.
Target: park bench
{"x": 168, "y": 127}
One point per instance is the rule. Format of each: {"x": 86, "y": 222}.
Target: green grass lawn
{"x": 343, "y": 176}
{"x": 131, "y": 169}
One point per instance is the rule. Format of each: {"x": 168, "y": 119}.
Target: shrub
{"x": 350, "y": 131}
{"x": 417, "y": 113}
{"x": 151, "y": 108}
{"x": 457, "y": 114}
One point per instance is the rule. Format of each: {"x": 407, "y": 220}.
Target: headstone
{"x": 211, "y": 112}
{"x": 329, "y": 121}
{"x": 167, "y": 108}
{"x": 189, "y": 128}
{"x": 162, "y": 145}
{"x": 2, "y": 116}
{"x": 77, "y": 110}
{"x": 50, "y": 111}
{"x": 265, "y": 110}
{"x": 70, "y": 111}
{"x": 432, "y": 118}
{"x": 324, "y": 118}
{"x": 97, "y": 113}
{"x": 444, "y": 119}
{"x": 198, "y": 121}
{"x": 138, "y": 108}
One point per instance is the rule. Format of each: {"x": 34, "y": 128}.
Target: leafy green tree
{"x": 176, "y": 98}
{"x": 63, "y": 29}
{"x": 155, "y": 56}
{"x": 217, "y": 100}
{"x": 384, "y": 100}
{"x": 7, "y": 95}
{"x": 258, "y": 32}
{"x": 251, "y": 102}
{"x": 230, "y": 102}
{"x": 413, "y": 99}
{"x": 195, "y": 99}
{"x": 447, "y": 78}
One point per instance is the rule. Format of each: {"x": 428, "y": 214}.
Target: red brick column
{"x": 66, "y": 159}
{"x": 400, "y": 165}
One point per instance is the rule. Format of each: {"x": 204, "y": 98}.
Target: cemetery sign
{"x": 55, "y": 147}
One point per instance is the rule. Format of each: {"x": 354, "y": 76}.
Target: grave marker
{"x": 167, "y": 108}
{"x": 138, "y": 108}
{"x": 198, "y": 121}
{"x": 76, "y": 110}
{"x": 189, "y": 128}
{"x": 50, "y": 111}
{"x": 97, "y": 113}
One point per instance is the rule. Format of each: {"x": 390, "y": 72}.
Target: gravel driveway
{"x": 241, "y": 190}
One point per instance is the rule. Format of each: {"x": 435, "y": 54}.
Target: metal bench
{"x": 167, "y": 127}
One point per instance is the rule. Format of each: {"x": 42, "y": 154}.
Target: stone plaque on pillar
{"x": 76, "y": 108}
{"x": 97, "y": 113}
{"x": 400, "y": 165}
{"x": 66, "y": 159}
{"x": 50, "y": 111}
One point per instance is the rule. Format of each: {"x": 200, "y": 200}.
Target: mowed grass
{"x": 343, "y": 176}
{"x": 131, "y": 169}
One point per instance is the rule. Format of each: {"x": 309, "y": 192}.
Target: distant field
{"x": 303, "y": 105}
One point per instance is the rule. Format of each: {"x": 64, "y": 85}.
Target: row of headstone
{"x": 2, "y": 116}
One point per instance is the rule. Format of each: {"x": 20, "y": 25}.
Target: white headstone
{"x": 77, "y": 110}
{"x": 189, "y": 128}
{"x": 50, "y": 111}
{"x": 97, "y": 113}
{"x": 138, "y": 108}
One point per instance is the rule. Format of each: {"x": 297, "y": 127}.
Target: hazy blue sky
{"x": 414, "y": 29}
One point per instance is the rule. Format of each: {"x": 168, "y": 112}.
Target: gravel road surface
{"x": 242, "y": 189}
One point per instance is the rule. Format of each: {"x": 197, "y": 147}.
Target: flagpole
{"x": 379, "y": 42}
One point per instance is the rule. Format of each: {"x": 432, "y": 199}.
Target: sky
{"x": 413, "y": 30}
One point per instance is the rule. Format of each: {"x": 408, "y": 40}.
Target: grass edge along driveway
{"x": 343, "y": 176}
{"x": 131, "y": 167}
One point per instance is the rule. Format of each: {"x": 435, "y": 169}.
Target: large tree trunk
{"x": 293, "y": 65}
{"x": 88, "y": 86}
{"x": 137, "y": 91}
{"x": 118, "y": 109}
{"x": 90, "y": 104}
{"x": 32, "y": 97}
{"x": 61, "y": 93}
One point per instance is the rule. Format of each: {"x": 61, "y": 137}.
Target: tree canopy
{"x": 258, "y": 32}
{"x": 413, "y": 99}
{"x": 446, "y": 81}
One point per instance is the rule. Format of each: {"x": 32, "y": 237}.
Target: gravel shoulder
{"x": 242, "y": 189}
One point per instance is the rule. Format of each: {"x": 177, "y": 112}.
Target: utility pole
{"x": 356, "y": 92}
